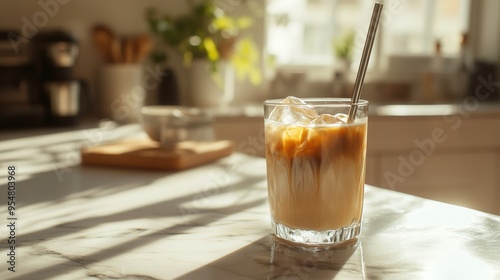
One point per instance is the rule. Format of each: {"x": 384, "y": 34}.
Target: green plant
{"x": 343, "y": 46}
{"x": 207, "y": 32}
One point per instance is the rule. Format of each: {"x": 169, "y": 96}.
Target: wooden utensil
{"x": 143, "y": 46}
{"x": 103, "y": 38}
{"x": 116, "y": 51}
{"x": 128, "y": 50}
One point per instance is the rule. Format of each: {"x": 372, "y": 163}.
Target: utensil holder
{"x": 121, "y": 93}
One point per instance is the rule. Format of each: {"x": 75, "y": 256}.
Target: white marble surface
{"x": 212, "y": 222}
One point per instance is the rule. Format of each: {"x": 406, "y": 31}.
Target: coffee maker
{"x": 20, "y": 104}
{"x": 61, "y": 93}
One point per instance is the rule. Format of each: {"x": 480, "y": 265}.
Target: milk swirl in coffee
{"x": 315, "y": 166}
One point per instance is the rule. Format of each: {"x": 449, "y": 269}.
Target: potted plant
{"x": 342, "y": 49}
{"x": 207, "y": 37}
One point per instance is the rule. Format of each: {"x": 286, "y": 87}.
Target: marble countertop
{"x": 211, "y": 222}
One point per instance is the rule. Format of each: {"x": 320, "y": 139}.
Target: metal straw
{"x": 365, "y": 58}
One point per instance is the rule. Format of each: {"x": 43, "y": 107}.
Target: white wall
{"x": 126, "y": 17}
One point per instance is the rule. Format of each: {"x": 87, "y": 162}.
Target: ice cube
{"x": 324, "y": 119}
{"x": 299, "y": 113}
{"x": 293, "y": 100}
{"x": 327, "y": 119}
{"x": 342, "y": 117}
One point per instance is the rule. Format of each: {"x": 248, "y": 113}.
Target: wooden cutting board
{"x": 147, "y": 154}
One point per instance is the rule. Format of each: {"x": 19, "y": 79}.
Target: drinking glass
{"x": 315, "y": 163}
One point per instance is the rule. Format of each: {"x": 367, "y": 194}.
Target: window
{"x": 304, "y": 32}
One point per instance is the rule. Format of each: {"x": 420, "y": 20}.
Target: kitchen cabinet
{"x": 453, "y": 158}
{"x": 461, "y": 168}
{"x": 467, "y": 179}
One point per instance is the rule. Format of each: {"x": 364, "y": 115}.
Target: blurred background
{"x": 305, "y": 47}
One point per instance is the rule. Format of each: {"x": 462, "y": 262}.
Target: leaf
{"x": 245, "y": 60}
{"x": 211, "y": 48}
{"x": 188, "y": 58}
{"x": 223, "y": 23}
{"x": 255, "y": 76}
{"x": 344, "y": 45}
{"x": 244, "y": 22}
{"x": 158, "y": 56}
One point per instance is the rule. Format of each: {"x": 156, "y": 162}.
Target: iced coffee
{"x": 315, "y": 169}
